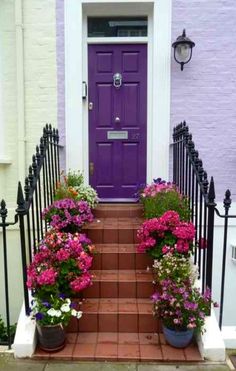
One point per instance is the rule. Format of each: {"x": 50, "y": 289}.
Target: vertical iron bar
{"x": 21, "y": 211}
{"x": 210, "y": 232}
{"x": 227, "y": 204}
{"x": 3, "y": 215}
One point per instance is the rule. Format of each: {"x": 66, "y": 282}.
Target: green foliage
{"x": 75, "y": 178}
{"x": 3, "y": 331}
{"x": 164, "y": 201}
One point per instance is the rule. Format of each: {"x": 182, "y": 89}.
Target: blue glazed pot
{"x": 178, "y": 339}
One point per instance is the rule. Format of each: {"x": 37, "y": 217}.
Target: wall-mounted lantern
{"x": 183, "y": 49}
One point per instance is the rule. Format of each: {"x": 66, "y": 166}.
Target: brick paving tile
{"x": 64, "y": 354}
{"x": 84, "y": 351}
{"x": 150, "y": 352}
{"x": 172, "y": 354}
{"x": 106, "y": 352}
{"x": 128, "y": 352}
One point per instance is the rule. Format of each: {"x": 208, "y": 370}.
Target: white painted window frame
{"x": 159, "y": 54}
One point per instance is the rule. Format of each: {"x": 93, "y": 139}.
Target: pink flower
{"x": 47, "y": 277}
{"x": 81, "y": 283}
{"x": 62, "y": 255}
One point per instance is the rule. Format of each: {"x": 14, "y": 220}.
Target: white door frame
{"x": 158, "y": 81}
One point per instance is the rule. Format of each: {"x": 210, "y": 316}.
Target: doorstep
{"x": 132, "y": 347}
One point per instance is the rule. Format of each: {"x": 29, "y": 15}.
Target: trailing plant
{"x": 167, "y": 234}
{"x": 161, "y": 196}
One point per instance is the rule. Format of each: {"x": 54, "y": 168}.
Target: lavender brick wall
{"x": 61, "y": 77}
{"x": 204, "y": 94}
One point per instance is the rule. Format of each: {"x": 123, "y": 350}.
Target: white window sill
{"x": 5, "y": 161}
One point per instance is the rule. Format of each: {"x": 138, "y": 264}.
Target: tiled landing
{"x": 111, "y": 346}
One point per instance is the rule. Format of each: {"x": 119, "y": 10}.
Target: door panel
{"x": 119, "y": 164}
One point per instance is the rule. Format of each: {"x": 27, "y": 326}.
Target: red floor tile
{"x": 84, "y": 352}
{"x": 106, "y": 352}
{"x": 172, "y": 354}
{"x": 108, "y": 337}
{"x": 146, "y": 338}
{"x": 192, "y": 353}
{"x": 128, "y": 338}
{"x": 128, "y": 352}
{"x": 64, "y": 354}
{"x": 41, "y": 354}
{"x": 71, "y": 337}
{"x": 87, "y": 338}
{"x": 150, "y": 352}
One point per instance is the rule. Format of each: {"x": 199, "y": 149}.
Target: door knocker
{"x": 117, "y": 80}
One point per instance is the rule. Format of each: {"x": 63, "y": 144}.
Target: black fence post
{"x": 3, "y": 215}
{"x": 22, "y": 211}
{"x": 227, "y": 204}
{"x": 210, "y": 232}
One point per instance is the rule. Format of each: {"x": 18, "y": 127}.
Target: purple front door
{"x": 117, "y": 119}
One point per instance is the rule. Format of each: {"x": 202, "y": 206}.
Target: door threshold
{"x": 118, "y": 200}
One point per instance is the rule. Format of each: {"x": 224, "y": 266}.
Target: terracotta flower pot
{"x": 51, "y": 338}
{"x": 178, "y": 339}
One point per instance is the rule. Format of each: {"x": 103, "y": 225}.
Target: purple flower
{"x": 46, "y": 304}
{"x": 39, "y": 316}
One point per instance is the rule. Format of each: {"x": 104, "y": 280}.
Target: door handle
{"x": 91, "y": 168}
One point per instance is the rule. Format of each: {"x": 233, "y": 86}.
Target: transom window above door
{"x": 117, "y": 26}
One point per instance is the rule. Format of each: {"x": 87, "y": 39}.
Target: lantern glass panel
{"x": 183, "y": 52}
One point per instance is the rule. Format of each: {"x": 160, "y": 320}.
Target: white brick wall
{"x": 40, "y": 69}
{"x": 8, "y": 173}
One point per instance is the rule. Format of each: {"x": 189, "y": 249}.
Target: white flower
{"x": 54, "y": 313}
{"x": 65, "y": 308}
{"x": 68, "y": 301}
{"x": 76, "y": 314}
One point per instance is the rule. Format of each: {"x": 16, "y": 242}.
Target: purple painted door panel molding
{"x": 119, "y": 164}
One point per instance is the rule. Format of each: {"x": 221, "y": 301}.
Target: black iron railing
{"x": 192, "y": 181}
{"x": 38, "y": 193}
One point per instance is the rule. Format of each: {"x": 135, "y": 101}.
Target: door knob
{"x": 117, "y": 119}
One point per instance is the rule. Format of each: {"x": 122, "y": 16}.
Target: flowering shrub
{"x": 161, "y": 196}
{"x": 181, "y": 306}
{"x": 177, "y": 268}
{"x": 159, "y": 236}
{"x": 57, "y": 309}
{"x": 68, "y": 215}
{"x": 72, "y": 186}
{"x": 61, "y": 265}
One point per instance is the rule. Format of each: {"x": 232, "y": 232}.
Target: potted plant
{"x": 158, "y": 236}
{"x": 68, "y": 215}
{"x": 177, "y": 302}
{"x": 52, "y": 315}
{"x": 161, "y": 196}
{"x": 72, "y": 186}
{"x": 61, "y": 264}
{"x": 182, "y": 310}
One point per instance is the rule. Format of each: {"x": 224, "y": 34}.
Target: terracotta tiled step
{"x": 118, "y": 315}
{"x": 118, "y": 210}
{"x": 113, "y": 346}
{"x": 113, "y": 230}
{"x": 120, "y": 256}
{"x": 120, "y": 284}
